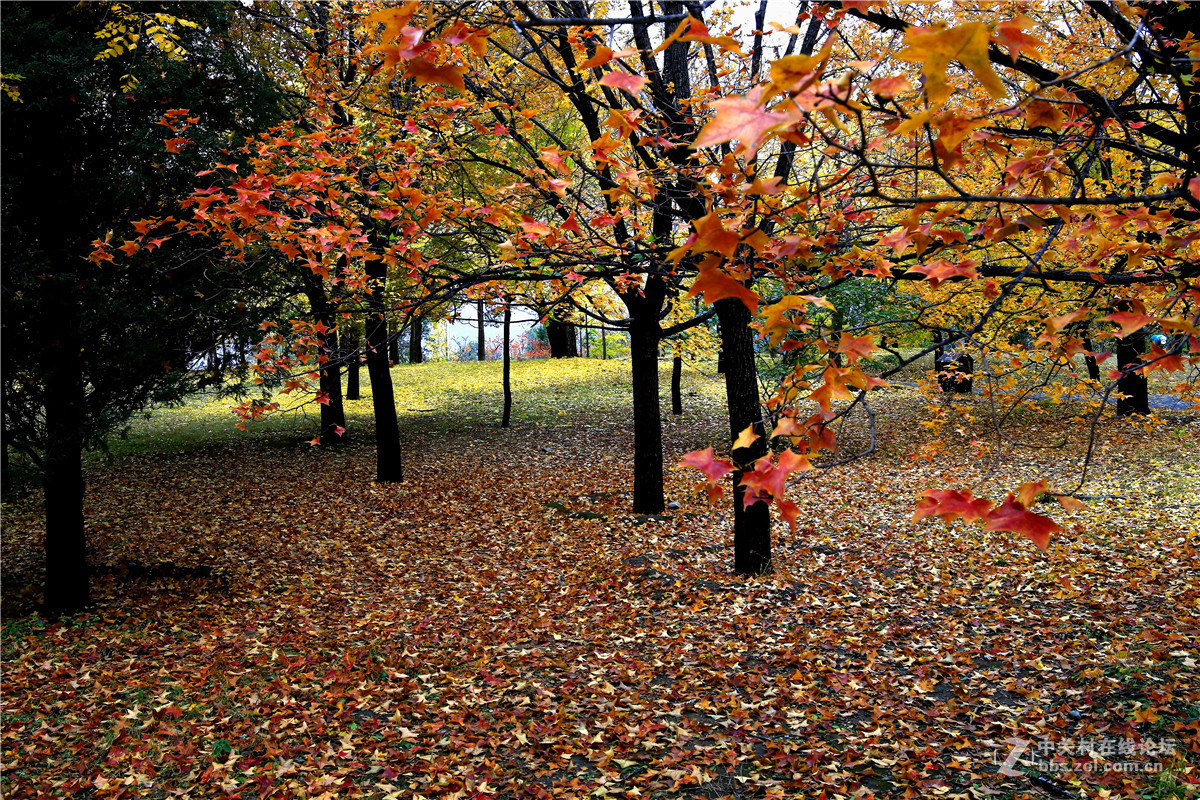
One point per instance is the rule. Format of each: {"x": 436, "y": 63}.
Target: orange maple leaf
{"x": 426, "y": 72}
{"x": 712, "y": 235}
{"x": 553, "y": 157}
{"x": 1130, "y": 322}
{"x": 891, "y": 86}
{"x": 716, "y": 285}
{"x": 898, "y": 240}
{"x": 856, "y": 347}
{"x": 1009, "y": 35}
{"x": 796, "y": 73}
{"x": 768, "y": 480}
{"x": 1027, "y": 493}
{"x": 746, "y": 438}
{"x": 790, "y": 512}
{"x": 602, "y": 57}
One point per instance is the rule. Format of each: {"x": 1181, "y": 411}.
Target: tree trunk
{"x": 416, "y": 330}
{"x": 676, "y": 379}
{"x": 751, "y": 526}
{"x": 561, "y": 336}
{"x": 388, "y": 462}
{"x": 393, "y": 347}
{"x": 648, "y": 495}
{"x": 353, "y": 360}
{"x": 66, "y": 542}
{"x": 604, "y": 343}
{"x": 481, "y": 352}
{"x": 504, "y": 422}
{"x": 1093, "y": 367}
{"x": 1132, "y": 385}
{"x": 333, "y": 414}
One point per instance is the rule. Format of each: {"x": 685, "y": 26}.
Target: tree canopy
{"x": 1019, "y": 186}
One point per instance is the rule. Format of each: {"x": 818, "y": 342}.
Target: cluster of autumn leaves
{"x": 894, "y": 152}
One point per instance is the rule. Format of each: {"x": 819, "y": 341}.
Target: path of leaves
{"x": 456, "y": 636}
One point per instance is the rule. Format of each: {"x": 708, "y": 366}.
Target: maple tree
{"x": 853, "y": 191}
{"x": 938, "y": 155}
{"x": 998, "y": 250}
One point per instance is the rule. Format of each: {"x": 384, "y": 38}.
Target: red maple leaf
{"x": 618, "y": 79}
{"x": 1012, "y": 516}
{"x": 713, "y": 468}
{"x": 951, "y": 505}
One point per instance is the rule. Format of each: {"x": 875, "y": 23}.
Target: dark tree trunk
{"x": 562, "y": 339}
{"x": 66, "y": 543}
{"x": 416, "y": 332}
{"x": 604, "y": 344}
{"x": 393, "y": 347}
{"x": 1093, "y": 367}
{"x": 676, "y": 380}
{"x": 644, "y": 334}
{"x": 3, "y": 436}
{"x": 1132, "y": 385}
{"x": 480, "y": 347}
{"x": 353, "y": 360}
{"x": 388, "y": 463}
{"x": 504, "y": 422}
{"x": 333, "y": 414}
{"x": 939, "y": 352}
{"x": 751, "y": 526}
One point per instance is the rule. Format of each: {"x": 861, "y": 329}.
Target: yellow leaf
{"x": 746, "y": 438}
{"x": 934, "y": 48}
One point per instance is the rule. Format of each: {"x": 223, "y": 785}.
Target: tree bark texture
{"x": 67, "y": 577}
{"x": 353, "y": 359}
{"x": 1133, "y": 385}
{"x": 416, "y": 332}
{"x": 393, "y": 348}
{"x": 504, "y": 422}
{"x": 333, "y": 414}
{"x": 562, "y": 339}
{"x": 676, "y": 388}
{"x": 481, "y": 351}
{"x": 644, "y": 337}
{"x": 751, "y": 526}
{"x": 389, "y": 467}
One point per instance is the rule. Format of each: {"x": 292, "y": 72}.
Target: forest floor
{"x": 268, "y": 622}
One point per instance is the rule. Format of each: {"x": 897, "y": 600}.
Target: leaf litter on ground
{"x": 271, "y": 623}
